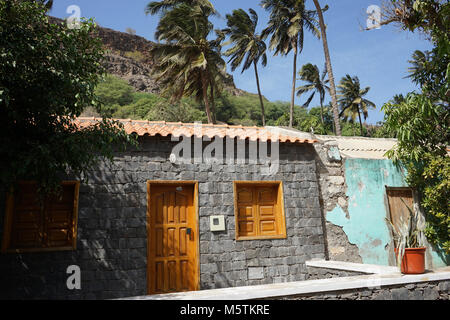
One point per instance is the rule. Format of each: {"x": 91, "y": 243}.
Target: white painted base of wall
{"x": 384, "y": 276}
{"x": 351, "y": 266}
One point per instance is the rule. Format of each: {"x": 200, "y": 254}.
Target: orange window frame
{"x": 9, "y": 220}
{"x": 280, "y": 219}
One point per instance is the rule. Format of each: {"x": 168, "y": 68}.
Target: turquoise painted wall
{"x": 365, "y": 225}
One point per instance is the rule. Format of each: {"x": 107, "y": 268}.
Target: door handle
{"x": 189, "y": 233}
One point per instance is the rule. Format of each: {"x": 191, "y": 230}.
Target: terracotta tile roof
{"x": 153, "y": 128}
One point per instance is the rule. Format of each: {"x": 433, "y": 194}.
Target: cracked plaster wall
{"x": 354, "y": 207}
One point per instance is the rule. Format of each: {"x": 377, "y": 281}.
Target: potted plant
{"x": 410, "y": 242}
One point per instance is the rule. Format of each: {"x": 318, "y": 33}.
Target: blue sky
{"x": 378, "y": 57}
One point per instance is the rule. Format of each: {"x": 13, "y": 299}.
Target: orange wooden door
{"x": 173, "y": 235}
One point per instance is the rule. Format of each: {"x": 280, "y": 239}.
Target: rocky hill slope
{"x": 128, "y": 57}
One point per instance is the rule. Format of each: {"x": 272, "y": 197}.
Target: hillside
{"x": 128, "y": 57}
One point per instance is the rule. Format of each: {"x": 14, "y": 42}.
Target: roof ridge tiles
{"x": 153, "y": 128}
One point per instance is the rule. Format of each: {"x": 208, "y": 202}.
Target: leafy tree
{"x": 138, "y": 110}
{"x": 421, "y": 121}
{"x": 422, "y": 127}
{"x": 113, "y": 92}
{"x": 47, "y": 77}
{"x": 350, "y": 129}
{"x": 352, "y": 101}
{"x": 312, "y": 122}
{"x": 181, "y": 111}
{"x": 188, "y": 63}
{"x": 249, "y": 47}
{"x": 316, "y": 83}
{"x": 287, "y": 23}
{"x": 47, "y": 4}
{"x": 326, "y": 51}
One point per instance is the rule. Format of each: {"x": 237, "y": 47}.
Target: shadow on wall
{"x": 111, "y": 253}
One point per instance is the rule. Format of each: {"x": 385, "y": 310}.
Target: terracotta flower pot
{"x": 413, "y": 261}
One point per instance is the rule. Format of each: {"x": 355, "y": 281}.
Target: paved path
{"x": 381, "y": 276}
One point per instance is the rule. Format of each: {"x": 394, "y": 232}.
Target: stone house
{"x": 194, "y": 207}
{"x": 204, "y": 206}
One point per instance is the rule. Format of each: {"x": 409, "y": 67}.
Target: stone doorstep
{"x": 351, "y": 266}
{"x": 303, "y": 287}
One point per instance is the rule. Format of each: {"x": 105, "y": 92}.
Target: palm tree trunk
{"x": 205, "y": 98}
{"x": 333, "y": 128}
{"x": 360, "y": 122}
{"x": 213, "y": 103}
{"x": 291, "y": 111}
{"x": 321, "y": 113}
{"x": 263, "y": 117}
{"x": 329, "y": 69}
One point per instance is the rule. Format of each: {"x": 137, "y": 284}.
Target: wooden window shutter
{"x": 60, "y": 218}
{"x": 32, "y": 224}
{"x": 27, "y": 218}
{"x": 259, "y": 210}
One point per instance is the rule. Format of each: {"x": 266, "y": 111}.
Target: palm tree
{"x": 187, "y": 62}
{"x": 315, "y": 83}
{"x": 248, "y": 47}
{"x": 287, "y": 23}
{"x": 162, "y": 6}
{"x": 352, "y": 101}
{"x": 398, "y": 98}
{"x": 326, "y": 51}
{"x": 418, "y": 65}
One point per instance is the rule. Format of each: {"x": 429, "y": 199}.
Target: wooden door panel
{"x": 159, "y": 209}
{"x": 245, "y": 212}
{"x": 266, "y": 195}
{"x": 159, "y": 277}
{"x": 399, "y": 201}
{"x": 245, "y": 195}
{"x": 173, "y": 252}
{"x": 184, "y": 275}
{"x": 268, "y": 227}
{"x": 267, "y": 211}
{"x": 26, "y": 238}
{"x": 183, "y": 241}
{"x": 170, "y": 242}
{"x": 247, "y": 228}
{"x": 172, "y": 276}
{"x": 58, "y": 237}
